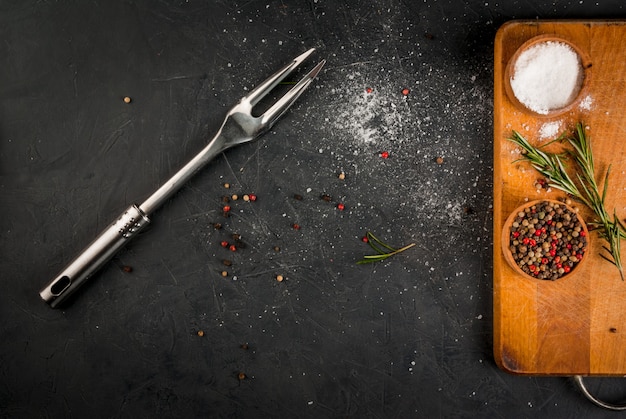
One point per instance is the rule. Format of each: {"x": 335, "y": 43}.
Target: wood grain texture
{"x": 575, "y": 325}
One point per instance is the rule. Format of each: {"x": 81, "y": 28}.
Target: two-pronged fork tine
{"x": 264, "y": 88}
{"x": 242, "y": 113}
{"x": 272, "y": 114}
{"x": 240, "y": 126}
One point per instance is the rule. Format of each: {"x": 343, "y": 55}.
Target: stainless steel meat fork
{"x": 239, "y": 127}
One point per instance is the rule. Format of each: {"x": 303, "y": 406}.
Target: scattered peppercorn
{"x": 225, "y": 199}
{"x": 224, "y": 243}
{"x": 326, "y": 197}
{"x": 241, "y": 376}
{"x": 244, "y": 346}
{"x": 217, "y": 226}
{"x": 127, "y": 269}
{"x": 369, "y": 90}
{"x": 226, "y": 208}
{"x": 341, "y": 206}
{"x": 439, "y": 160}
{"x": 227, "y": 185}
{"x": 246, "y": 198}
{"x": 364, "y": 239}
{"x": 384, "y": 154}
{"x": 276, "y": 249}
{"x": 279, "y": 278}
{"x": 200, "y": 333}
{"x": 234, "y": 197}
{"x": 224, "y": 273}
{"x": 232, "y": 248}
{"x": 296, "y": 226}
{"x": 127, "y": 99}
{"x": 470, "y": 210}
{"x": 341, "y": 176}
{"x": 298, "y": 197}
{"x": 253, "y": 197}
{"x": 542, "y": 184}
{"x": 227, "y": 262}
{"x": 406, "y": 92}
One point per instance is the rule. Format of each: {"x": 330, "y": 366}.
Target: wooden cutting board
{"x": 575, "y": 325}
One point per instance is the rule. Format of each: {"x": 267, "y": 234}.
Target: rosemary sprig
{"x": 585, "y": 188}
{"x": 383, "y": 249}
{"x": 549, "y": 165}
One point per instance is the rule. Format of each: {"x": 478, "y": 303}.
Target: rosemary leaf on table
{"x": 383, "y": 249}
{"x": 583, "y": 187}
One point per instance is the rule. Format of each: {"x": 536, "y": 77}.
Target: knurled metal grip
{"x": 131, "y": 222}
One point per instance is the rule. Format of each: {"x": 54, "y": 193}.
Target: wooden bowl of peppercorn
{"x": 545, "y": 240}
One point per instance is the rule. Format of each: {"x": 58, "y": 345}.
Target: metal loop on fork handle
{"x": 581, "y": 385}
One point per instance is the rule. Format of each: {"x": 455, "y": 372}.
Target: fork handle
{"x": 174, "y": 183}
{"x": 127, "y": 226}
{"x": 124, "y": 228}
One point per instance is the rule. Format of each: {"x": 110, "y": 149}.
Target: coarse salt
{"x": 550, "y": 129}
{"x": 547, "y": 76}
{"x": 586, "y": 103}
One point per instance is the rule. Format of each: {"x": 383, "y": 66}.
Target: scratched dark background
{"x": 409, "y": 337}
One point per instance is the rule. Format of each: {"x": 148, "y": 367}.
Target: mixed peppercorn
{"x": 547, "y": 240}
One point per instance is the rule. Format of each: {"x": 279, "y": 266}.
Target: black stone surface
{"x": 409, "y": 337}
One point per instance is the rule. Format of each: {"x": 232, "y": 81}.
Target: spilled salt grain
{"x": 586, "y": 103}
{"x": 547, "y": 76}
{"x": 550, "y": 129}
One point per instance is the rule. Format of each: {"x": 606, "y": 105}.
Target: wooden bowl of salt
{"x": 547, "y": 76}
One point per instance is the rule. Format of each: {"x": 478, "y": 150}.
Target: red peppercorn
{"x": 566, "y": 268}
{"x": 558, "y": 265}
{"x": 341, "y": 206}
{"x": 369, "y": 90}
{"x": 525, "y": 240}
{"x": 406, "y": 92}
{"x": 365, "y": 239}
{"x": 233, "y": 248}
{"x": 226, "y": 208}
{"x": 252, "y": 197}
{"x": 532, "y": 268}
{"x": 549, "y": 222}
{"x": 582, "y": 233}
{"x": 557, "y": 259}
{"x": 579, "y": 256}
{"x": 569, "y": 245}
{"x": 296, "y": 226}
{"x": 532, "y": 242}
{"x": 544, "y": 261}
{"x": 538, "y": 232}
{"x": 224, "y": 243}
{"x": 516, "y": 234}
{"x": 384, "y": 154}
{"x": 552, "y": 252}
